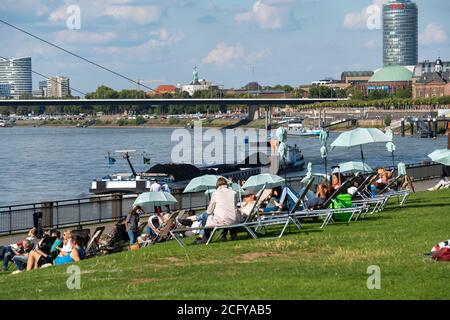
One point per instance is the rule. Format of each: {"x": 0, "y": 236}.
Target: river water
{"x": 39, "y": 164}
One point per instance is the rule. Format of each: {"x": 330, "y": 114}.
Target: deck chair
{"x": 92, "y": 246}
{"x": 390, "y": 190}
{"x": 84, "y": 235}
{"x": 285, "y": 218}
{"x": 178, "y": 233}
{"x": 374, "y": 205}
{"x": 326, "y": 212}
{"x": 164, "y": 230}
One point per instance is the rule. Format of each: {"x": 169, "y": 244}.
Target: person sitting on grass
{"x": 38, "y": 257}
{"x": 21, "y": 258}
{"x": 75, "y": 255}
{"x": 66, "y": 244}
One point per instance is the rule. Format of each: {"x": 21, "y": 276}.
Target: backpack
{"x": 440, "y": 245}
{"x": 442, "y": 255}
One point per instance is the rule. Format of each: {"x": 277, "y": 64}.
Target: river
{"x": 39, "y": 164}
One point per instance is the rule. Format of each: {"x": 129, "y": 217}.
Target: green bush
{"x": 139, "y": 120}
{"x": 387, "y": 120}
{"x": 122, "y": 122}
{"x": 173, "y": 121}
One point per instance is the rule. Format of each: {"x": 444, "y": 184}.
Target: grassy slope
{"x": 328, "y": 264}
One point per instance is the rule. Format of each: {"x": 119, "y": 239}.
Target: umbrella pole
{"x": 393, "y": 161}
{"x": 362, "y": 154}
{"x": 326, "y": 170}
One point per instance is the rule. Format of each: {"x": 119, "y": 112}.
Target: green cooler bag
{"x": 342, "y": 201}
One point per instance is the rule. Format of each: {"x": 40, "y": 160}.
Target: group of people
{"x": 133, "y": 219}
{"x": 41, "y": 251}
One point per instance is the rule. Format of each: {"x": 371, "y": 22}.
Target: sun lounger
{"x": 164, "y": 231}
{"x": 261, "y": 196}
{"x": 284, "y": 218}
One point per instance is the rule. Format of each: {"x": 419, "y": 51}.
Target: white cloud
{"x": 138, "y": 14}
{"x": 226, "y": 55}
{"x": 121, "y": 10}
{"x": 267, "y": 15}
{"x": 433, "y": 33}
{"x": 155, "y": 40}
{"x": 368, "y": 18}
{"x": 84, "y": 38}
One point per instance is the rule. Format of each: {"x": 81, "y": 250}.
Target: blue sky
{"x": 231, "y": 41}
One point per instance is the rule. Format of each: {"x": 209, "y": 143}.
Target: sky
{"x": 231, "y": 42}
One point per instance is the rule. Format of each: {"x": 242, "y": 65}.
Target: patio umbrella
{"x": 308, "y": 173}
{"x": 401, "y": 169}
{"x": 359, "y": 137}
{"x": 159, "y": 198}
{"x": 258, "y": 181}
{"x": 323, "y": 149}
{"x": 441, "y": 156}
{"x": 390, "y": 146}
{"x": 234, "y": 186}
{"x": 202, "y": 183}
{"x": 281, "y": 135}
{"x": 352, "y": 167}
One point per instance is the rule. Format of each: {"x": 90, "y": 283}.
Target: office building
{"x": 17, "y": 73}
{"x": 400, "y": 33}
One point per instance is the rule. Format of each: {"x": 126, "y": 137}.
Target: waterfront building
{"x": 400, "y": 33}
{"x": 355, "y": 77}
{"x": 429, "y": 66}
{"x": 58, "y": 87}
{"x": 433, "y": 84}
{"x": 55, "y": 87}
{"x": 166, "y": 89}
{"x": 389, "y": 79}
{"x": 198, "y": 84}
{"x": 5, "y": 90}
{"x": 17, "y": 73}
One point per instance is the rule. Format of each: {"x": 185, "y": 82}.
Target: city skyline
{"x": 232, "y": 43}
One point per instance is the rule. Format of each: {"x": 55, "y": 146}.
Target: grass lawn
{"x": 328, "y": 264}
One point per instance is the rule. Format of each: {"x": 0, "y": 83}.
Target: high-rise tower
{"x": 400, "y": 33}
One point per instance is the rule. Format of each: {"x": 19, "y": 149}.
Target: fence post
{"x": 99, "y": 209}
{"x": 10, "y": 220}
{"x": 79, "y": 213}
{"x": 179, "y": 196}
{"x": 47, "y": 214}
{"x": 116, "y": 206}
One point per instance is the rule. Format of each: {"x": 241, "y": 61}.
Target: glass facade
{"x": 400, "y": 33}
{"x": 17, "y": 73}
{"x": 5, "y": 90}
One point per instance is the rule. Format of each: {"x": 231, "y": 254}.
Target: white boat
{"x": 179, "y": 175}
{"x": 297, "y": 129}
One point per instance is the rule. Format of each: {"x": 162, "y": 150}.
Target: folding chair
{"x": 92, "y": 246}
{"x": 177, "y": 233}
{"x": 165, "y": 228}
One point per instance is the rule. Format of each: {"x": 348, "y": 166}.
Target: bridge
{"x": 166, "y": 102}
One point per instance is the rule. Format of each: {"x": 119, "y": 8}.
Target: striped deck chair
{"x": 285, "y": 218}
{"x": 247, "y": 225}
